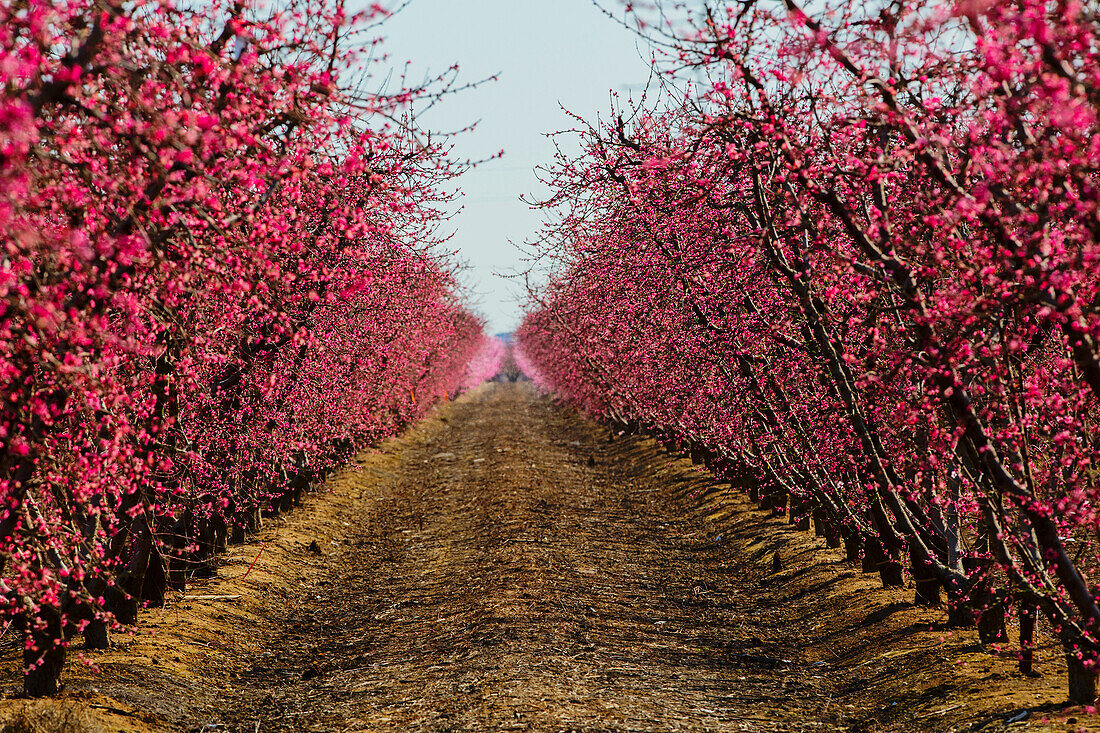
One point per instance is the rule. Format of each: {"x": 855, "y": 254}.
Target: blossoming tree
{"x": 217, "y": 281}
{"x": 856, "y": 267}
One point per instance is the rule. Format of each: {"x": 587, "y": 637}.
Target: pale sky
{"x": 548, "y": 53}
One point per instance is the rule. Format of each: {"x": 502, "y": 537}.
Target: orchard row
{"x": 852, "y": 259}
{"x": 217, "y": 282}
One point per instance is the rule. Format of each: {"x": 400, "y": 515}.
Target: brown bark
{"x": 927, "y": 584}
{"x": 852, "y": 545}
{"x": 1082, "y": 680}
{"x": 44, "y": 662}
{"x": 1029, "y": 612}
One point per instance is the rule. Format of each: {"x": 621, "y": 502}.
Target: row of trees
{"x": 854, "y": 261}
{"x": 218, "y": 279}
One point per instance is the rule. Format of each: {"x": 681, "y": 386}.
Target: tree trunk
{"x": 959, "y": 615}
{"x": 123, "y": 606}
{"x": 928, "y": 585}
{"x": 44, "y": 660}
{"x": 97, "y": 635}
{"x": 776, "y": 501}
{"x": 253, "y": 520}
{"x": 1082, "y": 680}
{"x": 851, "y": 545}
{"x": 767, "y": 498}
{"x": 991, "y": 618}
{"x": 891, "y": 573}
{"x": 818, "y": 518}
{"x": 876, "y": 559}
{"x": 156, "y": 579}
{"x": 124, "y": 596}
{"x": 177, "y": 575}
{"x": 989, "y": 606}
{"x": 801, "y": 509}
{"x": 221, "y": 532}
{"x": 179, "y": 538}
{"x": 828, "y": 528}
{"x": 961, "y": 612}
{"x": 1028, "y": 612}
{"x": 871, "y": 556}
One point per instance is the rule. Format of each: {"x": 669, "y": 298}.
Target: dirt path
{"x": 510, "y": 576}
{"x": 508, "y": 565}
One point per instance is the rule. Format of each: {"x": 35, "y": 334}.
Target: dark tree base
{"x": 97, "y": 635}
{"x": 1082, "y": 681}
{"x": 47, "y": 658}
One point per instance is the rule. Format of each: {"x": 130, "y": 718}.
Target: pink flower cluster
{"x": 486, "y": 363}
{"x": 858, "y": 272}
{"x": 529, "y": 368}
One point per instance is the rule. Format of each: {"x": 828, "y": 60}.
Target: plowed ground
{"x": 509, "y": 565}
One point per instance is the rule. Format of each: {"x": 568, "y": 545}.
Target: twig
{"x": 246, "y": 572}
{"x": 941, "y": 712}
